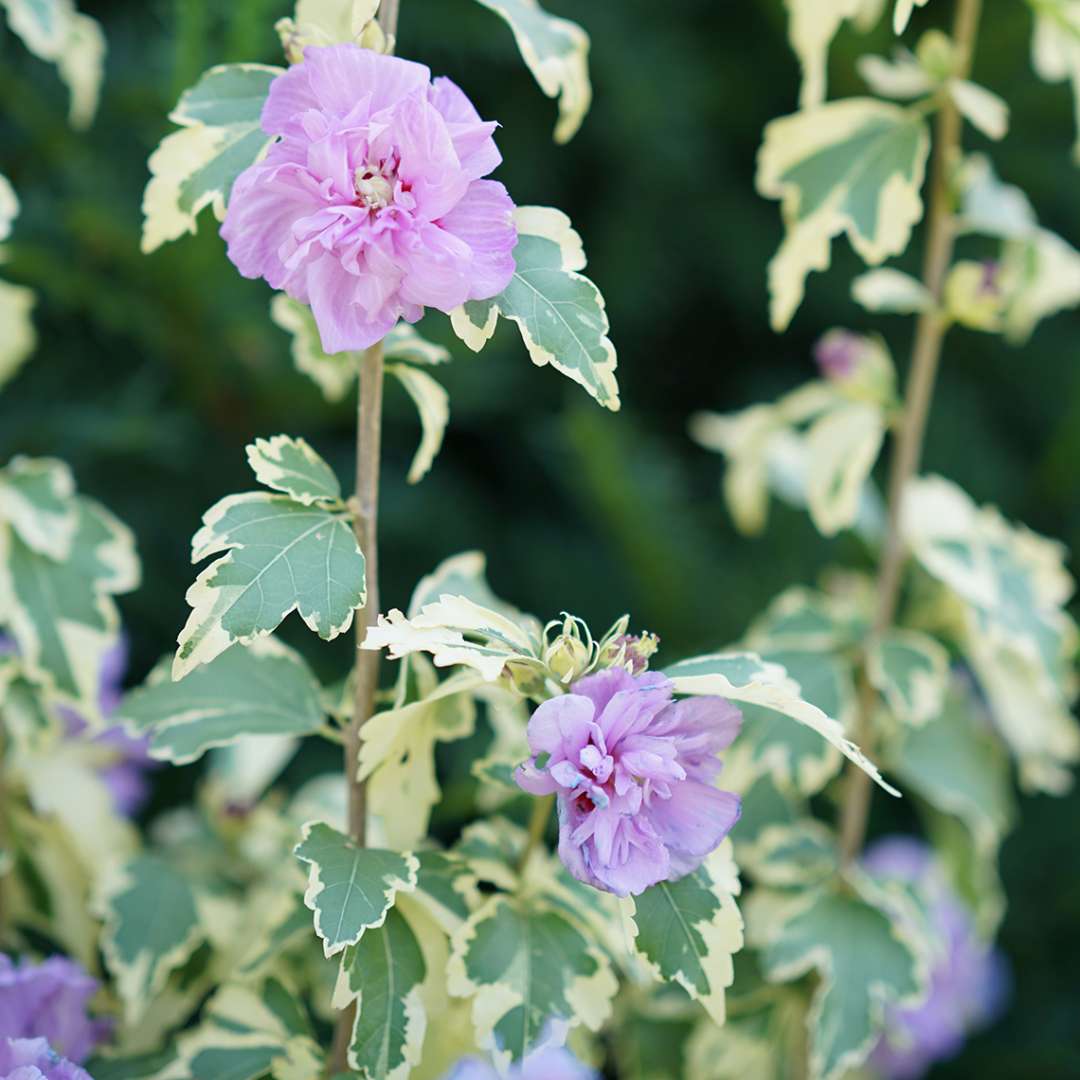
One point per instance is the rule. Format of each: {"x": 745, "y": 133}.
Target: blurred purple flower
{"x": 550, "y": 1063}
{"x": 371, "y": 206}
{"x": 634, "y": 772}
{"x": 969, "y": 980}
{"x": 34, "y": 1059}
{"x": 837, "y": 354}
{"x": 48, "y": 1001}
{"x": 125, "y": 775}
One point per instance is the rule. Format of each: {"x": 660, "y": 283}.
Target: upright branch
{"x": 925, "y": 358}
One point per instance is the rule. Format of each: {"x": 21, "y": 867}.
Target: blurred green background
{"x": 153, "y": 373}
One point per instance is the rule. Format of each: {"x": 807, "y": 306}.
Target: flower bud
{"x": 859, "y": 366}
{"x": 630, "y": 651}
{"x": 975, "y": 295}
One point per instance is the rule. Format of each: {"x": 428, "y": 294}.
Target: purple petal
{"x": 472, "y": 136}
{"x": 339, "y": 74}
{"x": 484, "y": 220}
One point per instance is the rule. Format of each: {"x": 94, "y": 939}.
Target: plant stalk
{"x": 925, "y": 359}
{"x": 538, "y": 820}
{"x": 366, "y": 527}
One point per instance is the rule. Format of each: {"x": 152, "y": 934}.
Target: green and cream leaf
{"x": 688, "y": 930}
{"x": 557, "y": 53}
{"x": 889, "y": 291}
{"x": 151, "y": 928}
{"x": 383, "y": 975}
{"x": 854, "y": 166}
{"x": 911, "y": 670}
{"x": 559, "y": 312}
{"x": 264, "y": 690}
{"x": 746, "y": 678}
{"x": 280, "y": 556}
{"x": 219, "y": 137}
{"x": 1055, "y": 48}
{"x": 433, "y": 406}
{"x": 36, "y": 500}
{"x": 525, "y": 966}
{"x": 350, "y": 889}
{"x": 290, "y": 466}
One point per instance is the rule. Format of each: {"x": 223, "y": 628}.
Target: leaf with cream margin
{"x": 842, "y": 448}
{"x": 557, "y": 53}
{"x": 982, "y": 108}
{"x": 854, "y": 166}
{"x": 289, "y": 465}
{"x": 892, "y": 292}
{"x": 901, "y": 77}
{"x": 466, "y": 575}
{"x": 559, "y": 312}
{"x": 745, "y": 677}
{"x": 530, "y": 974}
{"x": 397, "y": 752}
{"x": 56, "y": 31}
{"x": 263, "y": 690}
{"x": 1015, "y": 630}
{"x": 688, "y": 930}
{"x": 858, "y": 950}
{"x": 279, "y": 556}
{"x": 17, "y": 335}
{"x": 330, "y": 22}
{"x": 911, "y": 670}
{"x": 350, "y": 889}
{"x": 1055, "y": 48}
{"x": 62, "y": 613}
{"x": 812, "y": 24}
{"x": 433, "y": 406}
{"x": 36, "y": 500}
{"x": 445, "y": 888}
{"x": 902, "y": 13}
{"x": 335, "y": 373}
{"x": 456, "y": 630}
{"x": 195, "y": 167}
{"x": 1040, "y": 272}
{"x": 383, "y": 975}
{"x": 151, "y": 928}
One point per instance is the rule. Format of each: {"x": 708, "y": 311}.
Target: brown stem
{"x": 538, "y": 820}
{"x": 925, "y": 358}
{"x": 366, "y": 526}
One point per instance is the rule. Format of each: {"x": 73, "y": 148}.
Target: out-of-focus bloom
{"x": 551, "y": 1063}
{"x": 48, "y": 1002}
{"x": 860, "y": 366}
{"x": 371, "y": 206}
{"x": 634, "y": 772}
{"x": 34, "y": 1059}
{"x": 125, "y": 772}
{"x": 837, "y": 353}
{"x": 968, "y": 978}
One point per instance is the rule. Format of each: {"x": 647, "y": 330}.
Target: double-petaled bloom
{"x": 372, "y": 203}
{"x": 634, "y": 772}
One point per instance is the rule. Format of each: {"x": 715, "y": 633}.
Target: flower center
{"x": 374, "y": 184}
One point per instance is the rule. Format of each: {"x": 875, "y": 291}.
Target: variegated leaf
{"x": 1055, "y": 48}
{"x": 195, "y": 167}
{"x": 688, "y": 930}
{"x": 433, "y": 406}
{"x": 558, "y": 310}
{"x": 350, "y": 889}
{"x": 525, "y": 967}
{"x": 289, "y": 465}
{"x": 911, "y": 670}
{"x": 262, "y": 691}
{"x": 854, "y": 166}
{"x": 557, "y": 52}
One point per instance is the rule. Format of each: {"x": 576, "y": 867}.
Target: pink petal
{"x": 484, "y": 219}
{"x": 603, "y": 686}
{"x": 533, "y": 780}
{"x": 429, "y": 161}
{"x": 436, "y": 269}
{"x": 696, "y": 817}
{"x": 342, "y": 323}
{"x": 341, "y": 74}
{"x": 560, "y": 723}
{"x": 289, "y": 99}
{"x": 472, "y": 136}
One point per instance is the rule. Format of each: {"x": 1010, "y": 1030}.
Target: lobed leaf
{"x": 688, "y": 930}
{"x": 911, "y": 670}
{"x": 289, "y": 465}
{"x": 383, "y": 974}
{"x": 854, "y": 167}
{"x": 557, "y": 53}
{"x": 350, "y": 889}
{"x": 526, "y": 967}
{"x": 559, "y": 312}
{"x": 264, "y": 690}
{"x": 280, "y": 556}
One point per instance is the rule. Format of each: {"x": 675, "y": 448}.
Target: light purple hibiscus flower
{"x": 34, "y": 1059}
{"x": 968, "y": 981}
{"x": 635, "y": 775}
{"x": 47, "y": 1002}
{"x": 550, "y": 1063}
{"x": 371, "y": 206}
